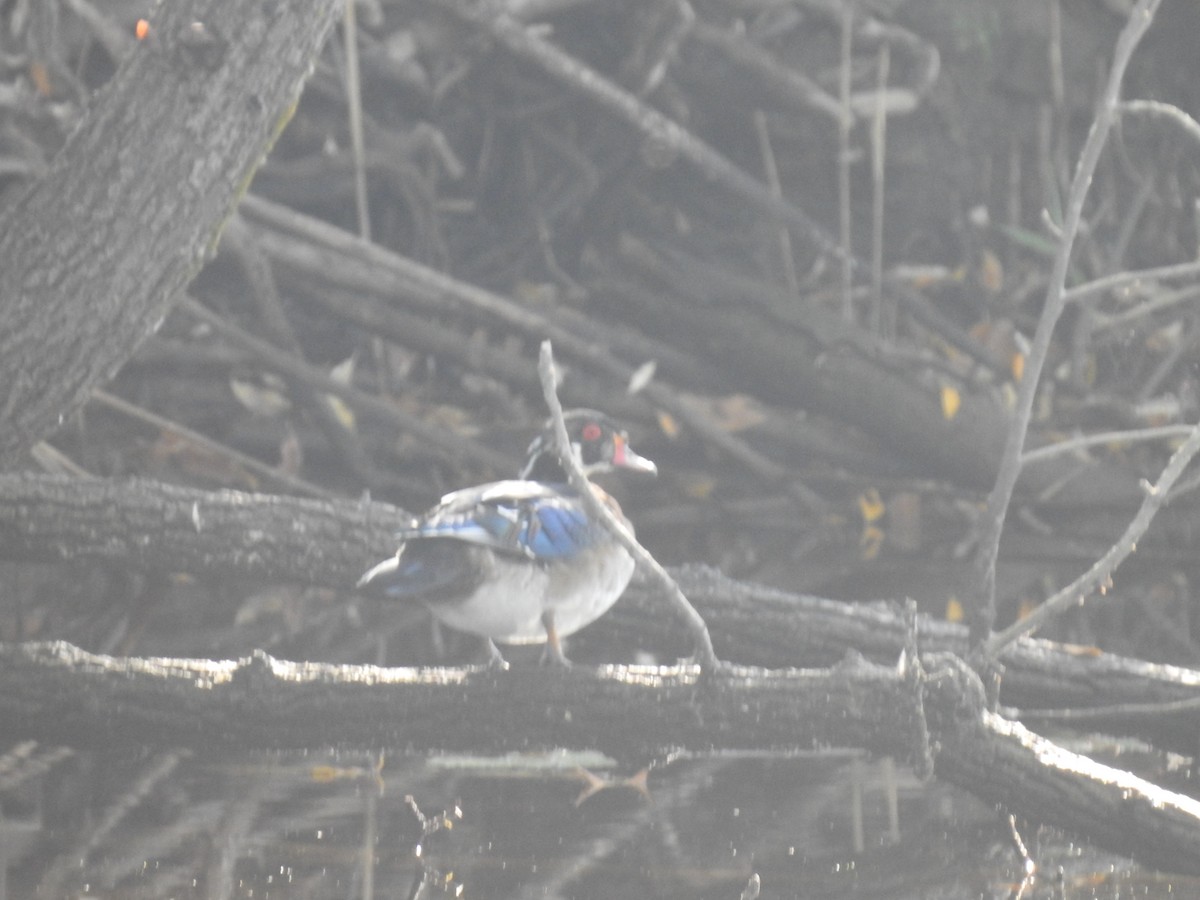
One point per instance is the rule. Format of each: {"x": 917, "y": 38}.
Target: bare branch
{"x": 648, "y": 564}
{"x": 1101, "y": 571}
{"x": 984, "y": 613}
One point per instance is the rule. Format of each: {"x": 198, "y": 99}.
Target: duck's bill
{"x": 625, "y": 457}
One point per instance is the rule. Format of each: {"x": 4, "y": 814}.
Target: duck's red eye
{"x": 591, "y": 432}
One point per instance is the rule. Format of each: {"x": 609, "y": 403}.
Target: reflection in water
{"x": 520, "y": 826}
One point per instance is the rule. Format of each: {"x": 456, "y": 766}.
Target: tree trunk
{"x": 92, "y": 256}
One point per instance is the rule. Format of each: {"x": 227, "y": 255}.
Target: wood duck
{"x": 520, "y": 561}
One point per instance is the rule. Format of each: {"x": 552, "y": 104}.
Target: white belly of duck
{"x": 509, "y": 604}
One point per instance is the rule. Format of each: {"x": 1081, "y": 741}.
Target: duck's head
{"x": 599, "y": 443}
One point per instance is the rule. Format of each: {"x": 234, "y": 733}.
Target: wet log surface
{"x": 936, "y": 717}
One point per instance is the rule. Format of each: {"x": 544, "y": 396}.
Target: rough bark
{"x": 57, "y": 692}
{"x": 162, "y": 527}
{"x": 92, "y": 256}
{"x": 170, "y": 528}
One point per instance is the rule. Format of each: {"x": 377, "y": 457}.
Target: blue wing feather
{"x": 448, "y": 552}
{"x": 558, "y": 530}
{"x": 523, "y": 518}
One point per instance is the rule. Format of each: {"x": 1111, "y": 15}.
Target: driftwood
{"x": 57, "y": 692}
{"x": 162, "y": 527}
{"x": 936, "y": 714}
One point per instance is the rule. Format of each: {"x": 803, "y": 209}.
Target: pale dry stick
{"x": 1101, "y": 571}
{"x": 772, "y": 173}
{"x": 1056, "y": 118}
{"x": 705, "y": 654}
{"x": 1143, "y": 310}
{"x": 370, "y": 824}
{"x": 1058, "y": 90}
{"x": 29, "y": 760}
{"x": 51, "y": 460}
{"x": 359, "y": 155}
{"x": 272, "y": 357}
{"x": 922, "y": 65}
{"x": 1120, "y": 280}
{"x": 782, "y": 84}
{"x": 845, "y": 122}
{"x": 354, "y": 106}
{"x": 883, "y": 323}
{"x": 1161, "y": 110}
{"x": 1010, "y": 464}
{"x": 236, "y": 457}
{"x": 156, "y": 771}
{"x": 1104, "y": 437}
{"x": 1013, "y": 205}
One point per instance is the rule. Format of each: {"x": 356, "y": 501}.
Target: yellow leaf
{"x": 951, "y": 400}
{"x": 340, "y": 410}
{"x": 737, "y": 412}
{"x": 326, "y": 773}
{"x": 267, "y": 399}
{"x": 699, "y": 487}
{"x": 954, "y": 610}
{"x": 870, "y": 542}
{"x": 991, "y": 272}
{"x": 870, "y": 504}
{"x": 1018, "y": 366}
{"x": 668, "y": 424}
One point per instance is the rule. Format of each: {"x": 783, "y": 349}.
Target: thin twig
{"x": 54, "y": 462}
{"x": 236, "y": 457}
{"x": 272, "y": 357}
{"x": 354, "y": 107}
{"x": 1101, "y": 571}
{"x": 883, "y": 323}
{"x": 705, "y": 654}
{"x": 843, "y": 163}
{"x": 1160, "y": 110}
{"x": 1124, "y": 279}
{"x": 782, "y": 84}
{"x": 988, "y": 550}
{"x": 1128, "y": 317}
{"x": 263, "y": 290}
{"x": 771, "y": 170}
{"x": 1105, "y": 437}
